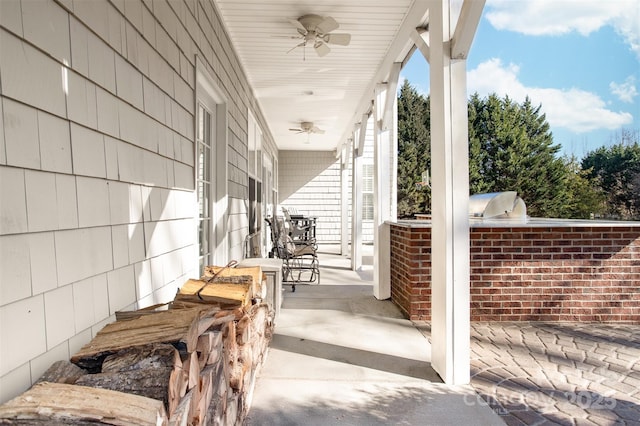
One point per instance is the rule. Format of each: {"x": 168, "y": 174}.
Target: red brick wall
{"x": 529, "y": 274}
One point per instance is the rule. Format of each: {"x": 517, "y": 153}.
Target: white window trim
{"x": 206, "y": 88}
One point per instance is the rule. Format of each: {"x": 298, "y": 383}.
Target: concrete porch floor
{"x": 339, "y": 356}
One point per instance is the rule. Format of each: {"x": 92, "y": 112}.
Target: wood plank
{"x": 59, "y": 403}
{"x": 172, "y": 326}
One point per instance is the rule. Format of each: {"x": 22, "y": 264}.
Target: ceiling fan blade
{"x": 321, "y": 48}
{"x": 327, "y": 25}
{"x": 296, "y": 46}
{"x": 296, "y": 130}
{"x": 301, "y": 29}
{"x": 341, "y": 39}
{"x": 317, "y": 130}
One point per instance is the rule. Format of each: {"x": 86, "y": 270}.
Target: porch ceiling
{"x": 331, "y": 91}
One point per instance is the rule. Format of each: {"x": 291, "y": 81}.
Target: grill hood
{"x": 497, "y": 205}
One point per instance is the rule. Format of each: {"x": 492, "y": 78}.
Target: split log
{"x": 193, "y": 370}
{"x": 225, "y": 293}
{"x": 180, "y": 326}
{"x": 255, "y": 272}
{"x": 221, "y": 391}
{"x": 180, "y": 416}
{"x": 146, "y": 371}
{"x": 209, "y": 348}
{"x": 231, "y": 413}
{"x": 62, "y": 372}
{"x": 243, "y": 330}
{"x": 149, "y": 310}
{"x": 185, "y": 304}
{"x": 175, "y": 387}
{"x": 57, "y": 403}
{"x": 206, "y": 392}
{"x": 141, "y": 358}
{"x": 229, "y": 343}
{"x": 237, "y": 313}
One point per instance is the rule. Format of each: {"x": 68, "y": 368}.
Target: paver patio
{"x": 566, "y": 373}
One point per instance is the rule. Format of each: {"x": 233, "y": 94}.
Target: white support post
{"x": 384, "y": 180}
{"x": 381, "y": 263}
{"x": 450, "y": 324}
{"x": 344, "y": 197}
{"x": 356, "y": 198}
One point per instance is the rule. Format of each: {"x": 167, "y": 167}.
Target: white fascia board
{"x": 466, "y": 28}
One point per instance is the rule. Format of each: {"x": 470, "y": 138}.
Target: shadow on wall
{"x": 307, "y": 169}
{"x": 168, "y": 231}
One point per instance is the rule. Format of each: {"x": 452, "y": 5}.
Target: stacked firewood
{"x": 193, "y": 361}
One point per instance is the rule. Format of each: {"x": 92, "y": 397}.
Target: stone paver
{"x": 566, "y": 374}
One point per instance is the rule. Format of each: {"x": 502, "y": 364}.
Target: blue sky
{"x": 580, "y": 59}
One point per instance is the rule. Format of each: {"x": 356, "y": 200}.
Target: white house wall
{"x": 310, "y": 183}
{"x": 98, "y": 210}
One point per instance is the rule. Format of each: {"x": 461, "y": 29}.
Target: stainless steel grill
{"x": 497, "y": 205}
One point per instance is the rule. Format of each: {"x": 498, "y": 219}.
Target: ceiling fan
{"x": 316, "y": 31}
{"x": 308, "y": 128}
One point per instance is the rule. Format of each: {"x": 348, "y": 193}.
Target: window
{"x": 204, "y": 185}
{"x": 367, "y": 192}
{"x": 255, "y": 175}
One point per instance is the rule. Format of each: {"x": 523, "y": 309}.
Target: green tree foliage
{"x": 414, "y": 151}
{"x": 583, "y": 197}
{"x": 617, "y": 169}
{"x": 511, "y": 149}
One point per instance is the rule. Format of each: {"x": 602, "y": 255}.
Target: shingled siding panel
{"x": 98, "y": 208}
{"x": 573, "y": 273}
{"x": 309, "y": 181}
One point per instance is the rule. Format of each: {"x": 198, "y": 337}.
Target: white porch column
{"x": 356, "y": 195}
{"x": 384, "y": 180}
{"x": 344, "y": 197}
{"x": 450, "y": 198}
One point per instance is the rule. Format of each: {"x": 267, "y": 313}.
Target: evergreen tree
{"x": 617, "y": 169}
{"x": 584, "y": 199}
{"x": 414, "y": 145}
{"x": 511, "y": 149}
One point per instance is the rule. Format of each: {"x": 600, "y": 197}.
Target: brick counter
{"x": 530, "y": 272}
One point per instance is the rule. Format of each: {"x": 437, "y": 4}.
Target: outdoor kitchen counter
{"x": 529, "y": 270}
{"x": 527, "y": 223}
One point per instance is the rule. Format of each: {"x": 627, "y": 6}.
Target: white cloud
{"x": 556, "y": 17}
{"x": 573, "y": 109}
{"x": 625, "y": 91}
